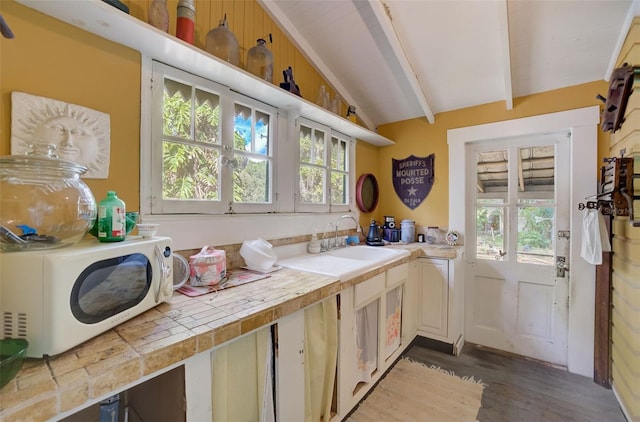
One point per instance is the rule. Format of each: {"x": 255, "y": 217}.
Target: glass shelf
{"x": 108, "y": 22}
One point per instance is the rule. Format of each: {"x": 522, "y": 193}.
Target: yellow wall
{"x": 418, "y": 137}
{"x": 55, "y": 60}
{"x": 625, "y": 317}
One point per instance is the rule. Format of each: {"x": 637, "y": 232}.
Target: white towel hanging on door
{"x": 595, "y": 238}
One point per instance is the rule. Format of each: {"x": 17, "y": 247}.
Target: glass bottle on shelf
{"x": 322, "y": 95}
{"x": 260, "y": 61}
{"x": 159, "y": 15}
{"x": 335, "y": 105}
{"x": 223, "y": 44}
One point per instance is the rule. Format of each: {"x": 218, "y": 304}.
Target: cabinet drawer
{"x": 397, "y": 275}
{"x": 367, "y": 290}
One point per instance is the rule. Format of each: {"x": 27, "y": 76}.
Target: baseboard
{"x": 437, "y": 345}
{"x": 626, "y": 414}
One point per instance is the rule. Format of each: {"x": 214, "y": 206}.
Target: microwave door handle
{"x": 166, "y": 272}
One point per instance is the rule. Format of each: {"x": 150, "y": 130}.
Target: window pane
{"x": 492, "y": 171}
{"x": 251, "y": 180}
{"x": 338, "y": 154}
{"x": 305, "y": 144}
{"x": 535, "y": 235}
{"x": 207, "y": 117}
{"x": 262, "y": 133}
{"x": 339, "y": 188}
{"x": 318, "y": 148}
{"x": 536, "y": 169}
{"x": 242, "y": 130}
{"x": 312, "y": 185}
{"x": 176, "y": 109}
{"x": 190, "y": 172}
{"x": 489, "y": 232}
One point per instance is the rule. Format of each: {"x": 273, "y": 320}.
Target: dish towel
{"x": 595, "y": 238}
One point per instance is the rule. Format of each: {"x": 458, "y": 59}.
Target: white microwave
{"x": 59, "y": 298}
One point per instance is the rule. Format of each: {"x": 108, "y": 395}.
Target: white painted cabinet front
{"x": 435, "y": 296}
{"x": 440, "y": 311}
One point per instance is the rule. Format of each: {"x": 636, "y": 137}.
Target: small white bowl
{"x": 147, "y": 229}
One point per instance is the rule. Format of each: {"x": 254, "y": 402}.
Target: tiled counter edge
{"x": 165, "y": 336}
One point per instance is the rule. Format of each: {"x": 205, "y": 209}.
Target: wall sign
{"x": 413, "y": 178}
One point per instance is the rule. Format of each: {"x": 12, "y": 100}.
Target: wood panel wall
{"x": 248, "y": 22}
{"x": 625, "y": 315}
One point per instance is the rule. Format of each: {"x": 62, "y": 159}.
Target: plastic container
{"x": 408, "y": 231}
{"x": 112, "y": 223}
{"x": 258, "y": 254}
{"x": 186, "y": 22}
{"x": 260, "y": 61}
{"x": 223, "y": 44}
{"x": 148, "y": 229}
{"x": 314, "y": 245}
{"x": 43, "y": 202}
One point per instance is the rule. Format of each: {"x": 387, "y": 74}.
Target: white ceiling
{"x": 401, "y": 59}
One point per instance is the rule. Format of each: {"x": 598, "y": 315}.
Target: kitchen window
{"x": 324, "y": 169}
{"x": 212, "y": 149}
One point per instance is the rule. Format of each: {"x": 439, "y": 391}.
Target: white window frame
{"x": 228, "y": 99}
{"x": 191, "y": 231}
{"x": 326, "y": 206}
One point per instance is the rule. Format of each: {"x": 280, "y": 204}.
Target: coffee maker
{"x": 389, "y": 231}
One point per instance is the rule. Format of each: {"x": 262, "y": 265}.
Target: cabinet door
{"x": 290, "y": 368}
{"x": 410, "y": 303}
{"x": 435, "y": 296}
{"x": 393, "y": 320}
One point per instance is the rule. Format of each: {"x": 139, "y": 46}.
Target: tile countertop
{"x": 167, "y": 334}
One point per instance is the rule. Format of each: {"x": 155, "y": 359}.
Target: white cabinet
{"x": 440, "y": 309}
{"x": 434, "y": 292}
{"x": 410, "y": 303}
{"x": 290, "y": 368}
{"x": 372, "y": 331}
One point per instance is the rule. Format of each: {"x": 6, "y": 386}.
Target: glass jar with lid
{"x": 44, "y": 203}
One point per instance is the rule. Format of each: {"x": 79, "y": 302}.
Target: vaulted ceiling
{"x": 401, "y": 59}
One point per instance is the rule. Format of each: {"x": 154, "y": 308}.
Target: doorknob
{"x": 561, "y": 266}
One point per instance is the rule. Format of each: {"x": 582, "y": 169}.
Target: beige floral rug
{"x": 412, "y": 391}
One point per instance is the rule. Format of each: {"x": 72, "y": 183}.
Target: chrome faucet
{"x": 358, "y": 228}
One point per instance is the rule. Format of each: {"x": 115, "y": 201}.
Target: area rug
{"x": 412, "y": 391}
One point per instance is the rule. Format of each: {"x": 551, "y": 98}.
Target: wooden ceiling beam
{"x": 505, "y": 50}
{"x": 382, "y": 14}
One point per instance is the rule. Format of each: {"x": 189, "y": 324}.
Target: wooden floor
{"x": 521, "y": 390}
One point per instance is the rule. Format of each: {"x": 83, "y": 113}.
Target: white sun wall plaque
{"x": 80, "y": 134}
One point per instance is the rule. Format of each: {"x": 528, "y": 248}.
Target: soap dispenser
{"x": 314, "y": 245}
